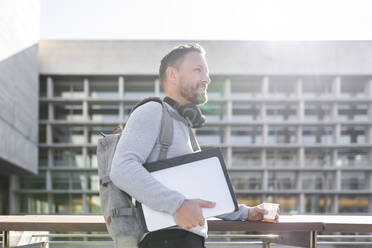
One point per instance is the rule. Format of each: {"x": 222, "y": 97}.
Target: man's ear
{"x": 172, "y": 75}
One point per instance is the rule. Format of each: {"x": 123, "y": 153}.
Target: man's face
{"x": 193, "y": 78}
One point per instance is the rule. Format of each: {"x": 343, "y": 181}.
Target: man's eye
{"x": 198, "y": 69}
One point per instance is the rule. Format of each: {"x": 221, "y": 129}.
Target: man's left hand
{"x": 257, "y": 213}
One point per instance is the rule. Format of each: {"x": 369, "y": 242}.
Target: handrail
{"x": 296, "y": 230}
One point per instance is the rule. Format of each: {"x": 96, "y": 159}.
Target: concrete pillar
{"x": 299, "y": 135}
{"x": 50, "y": 87}
{"x": 265, "y": 86}
{"x": 336, "y": 87}
{"x": 121, "y": 87}
{"x": 299, "y": 88}
{"x": 335, "y": 204}
{"x": 157, "y": 87}
{"x": 263, "y": 111}
{"x": 265, "y": 131}
{"x": 14, "y": 200}
{"x": 369, "y": 89}
{"x": 49, "y": 134}
{"x": 86, "y": 88}
{"x": 301, "y": 157}
{"x": 336, "y": 134}
{"x": 302, "y": 207}
{"x": 50, "y": 111}
{"x": 300, "y": 111}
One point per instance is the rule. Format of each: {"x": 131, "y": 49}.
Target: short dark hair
{"x": 174, "y": 56}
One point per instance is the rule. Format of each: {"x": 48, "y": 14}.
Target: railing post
{"x": 313, "y": 239}
{"x": 266, "y": 245}
{"x": 5, "y": 240}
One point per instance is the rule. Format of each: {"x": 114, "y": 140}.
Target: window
{"x": 68, "y": 87}
{"x": 139, "y": 87}
{"x": 353, "y": 135}
{"x": 246, "y": 135}
{"x": 317, "y": 112}
{"x": 68, "y": 180}
{"x": 281, "y": 112}
{"x": 349, "y": 112}
{"x": 104, "y": 112}
{"x": 210, "y": 135}
{"x": 249, "y": 199}
{"x": 68, "y": 111}
{"x": 104, "y": 87}
{"x": 216, "y": 89}
{"x": 318, "y": 157}
{"x": 246, "y": 87}
{"x": 214, "y": 111}
{"x": 353, "y": 203}
{"x": 282, "y": 135}
{"x": 34, "y": 203}
{"x": 94, "y": 204}
{"x": 68, "y": 134}
{"x": 353, "y": 180}
{"x": 282, "y": 87}
{"x": 70, "y": 157}
{"x": 245, "y": 157}
{"x": 280, "y": 180}
{"x": 352, "y": 157}
{"x": 313, "y": 87}
{"x": 353, "y": 86}
{"x": 246, "y": 180}
{"x": 317, "y": 134}
{"x": 317, "y": 203}
{"x": 33, "y": 182}
{"x": 94, "y": 133}
{"x": 282, "y": 157}
{"x": 318, "y": 180}
{"x": 246, "y": 111}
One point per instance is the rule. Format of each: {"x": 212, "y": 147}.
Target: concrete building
{"x": 292, "y": 118}
{"x": 19, "y": 95}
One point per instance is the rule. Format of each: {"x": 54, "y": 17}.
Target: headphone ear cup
{"x": 193, "y": 113}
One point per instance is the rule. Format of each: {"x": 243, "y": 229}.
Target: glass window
{"x": 249, "y": 199}
{"x": 353, "y": 86}
{"x": 316, "y": 203}
{"x": 33, "y": 182}
{"x": 216, "y": 88}
{"x": 349, "y": 112}
{"x": 318, "y": 180}
{"x": 282, "y": 135}
{"x": 43, "y": 111}
{"x": 70, "y": 157}
{"x": 246, "y": 111}
{"x": 43, "y": 87}
{"x": 139, "y": 87}
{"x": 94, "y": 204}
{"x": 353, "y": 204}
{"x": 93, "y": 181}
{"x": 318, "y": 157}
{"x": 68, "y": 180}
{"x": 128, "y": 106}
{"x": 246, "y": 180}
{"x": 352, "y": 157}
{"x": 92, "y": 158}
{"x": 104, "y": 87}
{"x": 353, "y": 135}
{"x": 68, "y": 134}
{"x": 43, "y": 157}
{"x": 281, "y": 157}
{"x": 67, "y": 203}
{"x": 317, "y": 112}
{"x": 282, "y": 87}
{"x": 288, "y": 203}
{"x": 246, "y": 87}
{"x": 281, "y": 112}
{"x": 42, "y": 133}
{"x": 246, "y": 135}
{"x": 279, "y": 180}
{"x": 69, "y": 87}
{"x": 354, "y": 180}
{"x": 104, "y": 112}
{"x": 317, "y": 86}
{"x": 34, "y": 203}
{"x": 245, "y": 157}
{"x": 68, "y": 111}
{"x": 214, "y": 111}
{"x": 210, "y": 135}
{"x": 317, "y": 134}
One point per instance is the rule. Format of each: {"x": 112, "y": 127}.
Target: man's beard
{"x": 193, "y": 93}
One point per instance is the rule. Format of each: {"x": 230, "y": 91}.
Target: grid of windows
{"x": 303, "y": 142}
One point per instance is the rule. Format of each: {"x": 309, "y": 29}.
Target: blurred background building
{"x": 292, "y": 118}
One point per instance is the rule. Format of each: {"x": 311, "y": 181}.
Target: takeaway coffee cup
{"x": 272, "y": 209}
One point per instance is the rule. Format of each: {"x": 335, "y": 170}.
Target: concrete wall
{"x": 224, "y": 57}
{"x": 19, "y": 87}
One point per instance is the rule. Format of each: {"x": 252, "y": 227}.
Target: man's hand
{"x": 257, "y": 213}
{"x": 190, "y": 213}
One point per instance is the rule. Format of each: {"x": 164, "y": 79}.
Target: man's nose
{"x": 207, "y": 79}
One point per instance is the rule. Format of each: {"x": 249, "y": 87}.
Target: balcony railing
{"x": 296, "y": 231}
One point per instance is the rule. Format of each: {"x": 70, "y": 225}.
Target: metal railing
{"x": 296, "y": 231}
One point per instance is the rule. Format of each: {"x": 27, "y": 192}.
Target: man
{"x": 185, "y": 78}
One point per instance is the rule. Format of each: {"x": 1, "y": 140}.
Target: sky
{"x": 206, "y": 19}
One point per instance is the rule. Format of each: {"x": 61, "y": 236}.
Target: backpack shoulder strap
{"x": 166, "y": 129}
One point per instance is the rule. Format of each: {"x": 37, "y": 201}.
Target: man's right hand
{"x": 190, "y": 213}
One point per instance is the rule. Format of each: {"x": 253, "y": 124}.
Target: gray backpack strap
{"x": 121, "y": 212}
{"x": 166, "y": 133}
{"x": 194, "y": 142}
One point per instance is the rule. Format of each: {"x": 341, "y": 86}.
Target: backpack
{"x": 120, "y": 212}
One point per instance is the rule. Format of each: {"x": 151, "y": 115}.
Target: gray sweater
{"x": 141, "y": 145}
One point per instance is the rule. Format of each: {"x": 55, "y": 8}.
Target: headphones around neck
{"x": 189, "y": 111}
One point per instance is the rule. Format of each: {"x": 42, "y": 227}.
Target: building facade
{"x": 293, "y": 120}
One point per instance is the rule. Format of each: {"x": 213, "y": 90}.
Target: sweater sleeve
{"x": 135, "y": 145}
{"x": 241, "y": 214}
